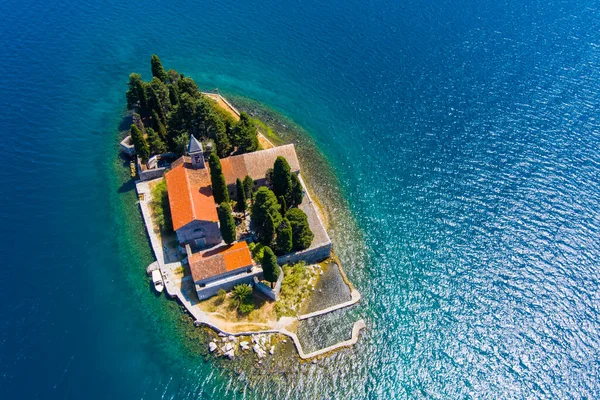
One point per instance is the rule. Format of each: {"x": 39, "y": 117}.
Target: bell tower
{"x": 195, "y": 152}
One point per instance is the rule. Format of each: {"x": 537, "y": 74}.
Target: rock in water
{"x": 231, "y": 338}
{"x": 272, "y": 350}
{"x": 229, "y": 354}
{"x": 212, "y": 346}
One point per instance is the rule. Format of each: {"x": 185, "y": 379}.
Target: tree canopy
{"x": 248, "y": 187}
{"x": 172, "y": 105}
{"x": 240, "y": 194}
{"x": 282, "y": 180}
{"x": 226, "y": 223}
{"x": 246, "y": 134}
{"x": 284, "y": 238}
{"x": 302, "y": 236}
{"x": 265, "y": 216}
{"x": 139, "y": 143}
{"x": 219, "y": 187}
{"x": 297, "y": 192}
{"x": 157, "y": 69}
{"x": 269, "y": 266}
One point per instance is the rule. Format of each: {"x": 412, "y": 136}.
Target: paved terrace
{"x": 183, "y": 288}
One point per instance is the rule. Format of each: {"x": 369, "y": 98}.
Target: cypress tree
{"x": 226, "y": 223}
{"x": 157, "y": 69}
{"x": 155, "y": 143}
{"x": 248, "y": 187}
{"x": 217, "y": 179}
{"x": 136, "y": 93}
{"x": 265, "y": 216}
{"x": 241, "y": 196}
{"x": 284, "y": 237}
{"x": 269, "y": 266}
{"x": 268, "y": 232}
{"x": 159, "y": 126}
{"x": 282, "y": 180}
{"x": 302, "y": 236}
{"x": 139, "y": 142}
{"x": 297, "y": 191}
{"x": 281, "y": 200}
{"x": 246, "y": 134}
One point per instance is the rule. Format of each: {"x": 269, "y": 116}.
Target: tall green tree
{"x": 180, "y": 143}
{"x": 158, "y": 97}
{"x": 240, "y": 196}
{"x": 246, "y": 134}
{"x": 284, "y": 237}
{"x": 136, "y": 92}
{"x": 297, "y": 191}
{"x": 282, "y": 179}
{"x": 159, "y": 126}
{"x": 222, "y": 143}
{"x": 283, "y": 205}
{"x": 265, "y": 216}
{"x": 269, "y": 266}
{"x": 226, "y": 223}
{"x": 140, "y": 144}
{"x": 155, "y": 143}
{"x": 157, "y": 69}
{"x": 302, "y": 236}
{"x": 187, "y": 85}
{"x": 217, "y": 179}
{"x": 248, "y": 187}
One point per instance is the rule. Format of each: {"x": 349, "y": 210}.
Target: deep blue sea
{"x": 464, "y": 136}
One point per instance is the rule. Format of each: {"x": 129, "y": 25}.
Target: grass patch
{"x": 295, "y": 288}
{"x": 160, "y": 207}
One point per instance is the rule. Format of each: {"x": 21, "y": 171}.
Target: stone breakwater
{"x": 181, "y": 288}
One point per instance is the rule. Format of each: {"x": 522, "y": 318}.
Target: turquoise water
{"x": 464, "y": 137}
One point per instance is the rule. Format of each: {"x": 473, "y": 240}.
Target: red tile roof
{"x": 190, "y": 195}
{"x": 257, "y": 163}
{"x": 219, "y": 260}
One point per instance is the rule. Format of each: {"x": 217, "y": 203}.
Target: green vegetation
{"x": 248, "y": 187}
{"x": 302, "y": 236}
{"x": 140, "y": 144}
{"x": 246, "y": 134}
{"x": 226, "y": 223}
{"x": 242, "y": 298}
{"x": 241, "y": 196}
{"x": 257, "y": 250}
{"x": 282, "y": 180}
{"x": 294, "y": 289}
{"x": 284, "y": 238}
{"x": 155, "y": 143}
{"x": 157, "y": 69}
{"x": 160, "y": 207}
{"x": 265, "y": 215}
{"x": 173, "y": 106}
{"x": 221, "y": 295}
{"x": 297, "y": 191}
{"x": 217, "y": 179}
{"x": 269, "y": 266}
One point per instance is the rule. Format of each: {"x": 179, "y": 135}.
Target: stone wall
{"x": 148, "y": 174}
{"x": 311, "y": 255}
{"x": 273, "y": 294}
{"x": 227, "y": 284}
{"x": 126, "y": 146}
{"x": 210, "y": 232}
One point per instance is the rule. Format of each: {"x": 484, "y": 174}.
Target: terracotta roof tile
{"x": 217, "y": 261}
{"x": 257, "y": 163}
{"x": 190, "y": 195}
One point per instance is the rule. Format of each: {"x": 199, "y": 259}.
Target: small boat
{"x": 157, "y": 280}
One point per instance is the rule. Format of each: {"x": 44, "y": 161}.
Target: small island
{"x": 238, "y": 239}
